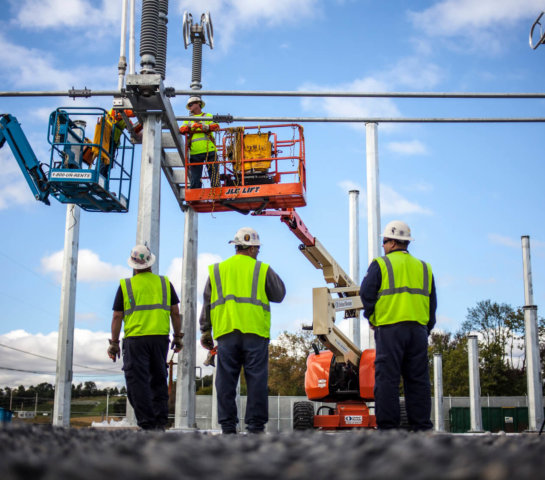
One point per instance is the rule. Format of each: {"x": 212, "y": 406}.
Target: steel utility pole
{"x": 196, "y": 34}
{"x": 65, "y": 343}
{"x": 531, "y": 341}
{"x": 373, "y": 205}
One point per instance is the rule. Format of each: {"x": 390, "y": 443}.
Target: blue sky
{"x": 468, "y": 191}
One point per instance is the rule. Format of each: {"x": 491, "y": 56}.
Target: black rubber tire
{"x": 303, "y": 415}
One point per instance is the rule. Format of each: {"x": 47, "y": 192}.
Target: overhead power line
{"x": 109, "y": 370}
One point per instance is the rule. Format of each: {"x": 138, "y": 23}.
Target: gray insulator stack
{"x": 148, "y": 35}
{"x": 161, "y": 63}
{"x": 196, "y": 68}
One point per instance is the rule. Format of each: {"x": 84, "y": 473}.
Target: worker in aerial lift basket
{"x": 145, "y": 303}
{"x": 236, "y": 309}
{"x": 399, "y": 300}
{"x": 202, "y": 144}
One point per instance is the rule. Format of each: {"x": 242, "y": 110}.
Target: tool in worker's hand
{"x": 210, "y": 358}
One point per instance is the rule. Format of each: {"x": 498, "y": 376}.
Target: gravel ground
{"x": 47, "y": 453}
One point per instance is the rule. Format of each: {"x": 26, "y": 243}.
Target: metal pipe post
{"x": 438, "y": 392}
{"x": 373, "y": 201}
{"x": 132, "y": 42}
{"x": 149, "y": 200}
{"x": 474, "y": 385}
{"x": 533, "y": 371}
{"x": 65, "y": 344}
{"x": 354, "y": 258}
{"x": 122, "y": 65}
{"x": 185, "y": 382}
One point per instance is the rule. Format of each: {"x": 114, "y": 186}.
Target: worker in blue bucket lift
{"x": 399, "y": 300}
{"x": 145, "y": 303}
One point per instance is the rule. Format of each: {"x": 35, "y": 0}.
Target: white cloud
{"x": 90, "y": 359}
{"x": 453, "y": 17}
{"x": 39, "y": 70}
{"x": 90, "y": 267}
{"x": 413, "y": 147}
{"x": 231, "y": 16}
{"x": 393, "y": 203}
{"x": 80, "y": 14}
{"x": 483, "y": 23}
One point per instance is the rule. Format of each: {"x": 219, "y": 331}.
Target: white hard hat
{"x": 141, "y": 257}
{"x": 194, "y": 99}
{"x": 246, "y": 236}
{"x": 397, "y": 230}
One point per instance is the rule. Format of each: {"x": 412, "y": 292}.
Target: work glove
{"x": 211, "y": 358}
{"x": 114, "y": 352}
{"x": 184, "y": 129}
{"x": 177, "y": 344}
{"x": 206, "y": 128}
{"x": 206, "y": 340}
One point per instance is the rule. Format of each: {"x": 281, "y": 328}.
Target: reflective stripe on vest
{"x": 253, "y": 299}
{"x": 238, "y": 299}
{"x": 146, "y": 305}
{"x": 406, "y": 298}
{"x": 138, "y": 308}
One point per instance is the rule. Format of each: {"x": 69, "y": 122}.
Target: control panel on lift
{"x": 94, "y": 173}
{"x": 256, "y": 168}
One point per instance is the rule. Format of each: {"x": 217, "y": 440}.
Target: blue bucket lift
{"x": 93, "y": 173}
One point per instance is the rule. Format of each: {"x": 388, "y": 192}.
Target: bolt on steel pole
{"x": 373, "y": 202}
{"x": 531, "y": 340}
{"x": 474, "y": 385}
{"x": 354, "y": 258}
{"x": 65, "y": 343}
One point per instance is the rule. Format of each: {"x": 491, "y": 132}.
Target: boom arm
{"x": 11, "y": 131}
{"x": 324, "y": 305}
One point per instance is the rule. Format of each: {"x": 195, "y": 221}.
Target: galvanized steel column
{"x": 65, "y": 344}
{"x": 474, "y": 385}
{"x": 354, "y": 259}
{"x": 149, "y": 200}
{"x": 533, "y": 371}
{"x": 439, "y": 423}
{"x": 373, "y": 202}
{"x": 185, "y": 382}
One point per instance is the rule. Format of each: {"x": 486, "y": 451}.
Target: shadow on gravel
{"x": 47, "y": 453}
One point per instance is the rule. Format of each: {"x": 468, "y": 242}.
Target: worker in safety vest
{"x": 399, "y": 300}
{"x": 202, "y": 146}
{"x": 236, "y": 309}
{"x": 145, "y": 303}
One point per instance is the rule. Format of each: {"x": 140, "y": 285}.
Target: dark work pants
{"x": 195, "y": 171}
{"x": 237, "y": 350}
{"x": 402, "y": 351}
{"x": 145, "y": 367}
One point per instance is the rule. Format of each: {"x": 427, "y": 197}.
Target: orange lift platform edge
{"x": 260, "y": 167}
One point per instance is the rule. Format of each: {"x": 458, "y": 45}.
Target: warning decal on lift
{"x": 353, "y": 419}
{"x": 237, "y": 190}
{"x": 74, "y": 175}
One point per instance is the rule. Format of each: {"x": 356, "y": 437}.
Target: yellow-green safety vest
{"x": 202, "y": 142}
{"x": 146, "y": 304}
{"x": 237, "y": 303}
{"x": 404, "y": 293}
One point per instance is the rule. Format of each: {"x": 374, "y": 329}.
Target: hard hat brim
{"x": 141, "y": 266}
